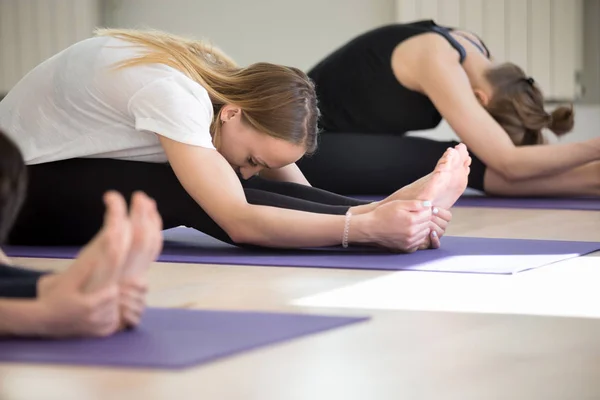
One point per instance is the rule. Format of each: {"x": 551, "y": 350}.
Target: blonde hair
{"x": 277, "y": 100}
{"x": 517, "y": 104}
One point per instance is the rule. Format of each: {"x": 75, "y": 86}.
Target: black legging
{"x": 64, "y": 200}
{"x": 376, "y": 164}
{"x": 18, "y": 282}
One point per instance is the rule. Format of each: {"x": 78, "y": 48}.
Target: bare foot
{"x": 100, "y": 263}
{"x": 147, "y": 240}
{"x": 145, "y": 247}
{"x": 444, "y": 185}
{"x": 448, "y": 183}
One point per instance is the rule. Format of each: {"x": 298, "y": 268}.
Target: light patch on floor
{"x": 568, "y": 288}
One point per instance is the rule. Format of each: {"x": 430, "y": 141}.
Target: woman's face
{"x": 249, "y": 151}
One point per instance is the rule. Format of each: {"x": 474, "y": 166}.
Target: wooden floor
{"x": 399, "y": 354}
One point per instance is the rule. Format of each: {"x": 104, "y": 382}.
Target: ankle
{"x": 365, "y": 208}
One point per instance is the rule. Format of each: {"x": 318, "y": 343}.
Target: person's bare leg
{"x": 580, "y": 181}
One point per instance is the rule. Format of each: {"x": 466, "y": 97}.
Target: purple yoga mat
{"x": 457, "y": 254}
{"x": 530, "y": 203}
{"x": 174, "y": 338}
{"x": 548, "y": 203}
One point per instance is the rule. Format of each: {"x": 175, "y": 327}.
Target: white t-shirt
{"x": 77, "y": 104}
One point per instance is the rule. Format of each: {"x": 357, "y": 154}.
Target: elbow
{"x": 242, "y": 230}
{"x": 240, "y": 236}
{"x": 244, "y": 226}
{"x": 514, "y": 175}
{"x": 508, "y": 174}
{"x": 238, "y": 233}
{"x": 510, "y": 170}
{"x": 248, "y": 237}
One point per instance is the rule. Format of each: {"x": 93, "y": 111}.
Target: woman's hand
{"x": 400, "y": 225}
{"x": 132, "y": 301}
{"x": 63, "y": 310}
{"x": 439, "y": 222}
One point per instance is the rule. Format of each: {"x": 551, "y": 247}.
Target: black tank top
{"x": 358, "y": 91}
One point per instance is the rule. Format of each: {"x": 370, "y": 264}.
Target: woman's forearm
{"x": 538, "y": 161}
{"x": 212, "y": 183}
{"x": 284, "y": 228}
{"x": 580, "y": 181}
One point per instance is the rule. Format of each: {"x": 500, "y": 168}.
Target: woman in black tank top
{"x": 408, "y": 77}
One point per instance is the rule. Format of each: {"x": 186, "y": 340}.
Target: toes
{"x": 138, "y": 221}
{"x": 444, "y": 156}
{"x": 156, "y": 227}
{"x": 116, "y": 232}
{"x": 446, "y": 161}
{"x": 104, "y": 256}
{"x": 147, "y": 234}
{"x": 449, "y": 154}
{"x": 116, "y": 207}
{"x": 453, "y": 159}
{"x": 152, "y": 227}
{"x": 468, "y": 162}
{"x": 461, "y": 148}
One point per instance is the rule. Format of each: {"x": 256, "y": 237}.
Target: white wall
{"x": 289, "y": 32}
{"x": 541, "y": 36}
{"x": 33, "y": 30}
{"x": 591, "y": 56}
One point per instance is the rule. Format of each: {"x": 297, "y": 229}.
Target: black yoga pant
{"x": 18, "y": 282}
{"x": 64, "y": 200}
{"x": 376, "y": 164}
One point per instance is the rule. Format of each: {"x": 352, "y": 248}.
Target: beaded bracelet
{"x": 346, "y": 229}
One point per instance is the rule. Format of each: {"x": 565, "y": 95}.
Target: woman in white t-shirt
{"x": 177, "y": 119}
